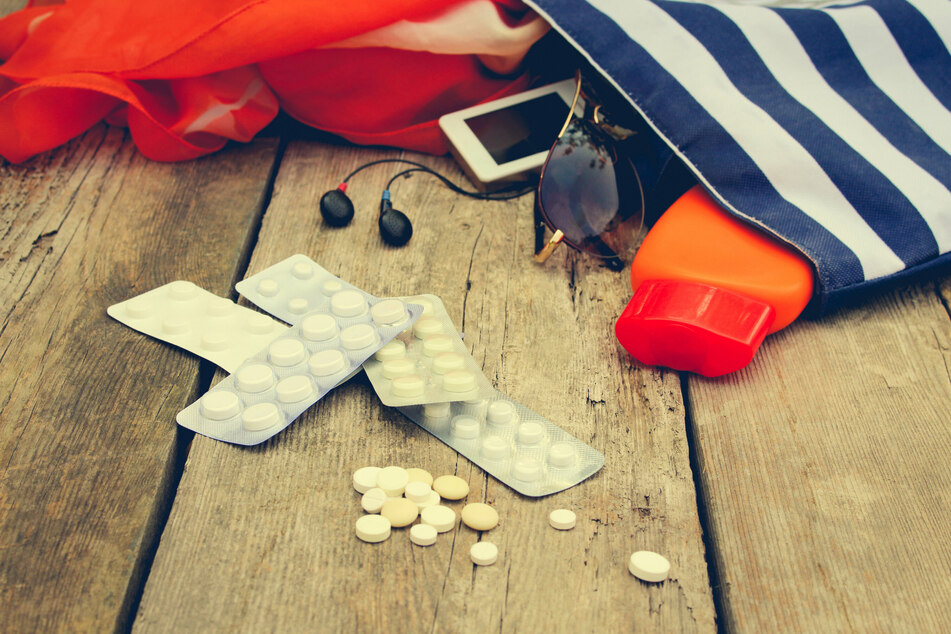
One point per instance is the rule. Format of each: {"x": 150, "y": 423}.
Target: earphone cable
{"x": 514, "y": 190}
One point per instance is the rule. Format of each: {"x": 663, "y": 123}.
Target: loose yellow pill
{"x": 420, "y": 475}
{"x": 480, "y": 517}
{"x": 451, "y": 487}
{"x": 400, "y": 512}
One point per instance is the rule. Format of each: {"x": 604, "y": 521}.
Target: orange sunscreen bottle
{"x": 708, "y": 288}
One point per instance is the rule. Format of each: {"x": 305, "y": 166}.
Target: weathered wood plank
{"x": 87, "y": 406}
{"x": 825, "y": 472}
{"x": 263, "y": 538}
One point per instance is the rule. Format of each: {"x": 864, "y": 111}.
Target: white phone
{"x": 510, "y": 137}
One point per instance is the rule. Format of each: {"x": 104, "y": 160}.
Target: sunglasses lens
{"x": 590, "y": 193}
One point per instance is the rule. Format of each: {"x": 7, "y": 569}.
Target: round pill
{"x": 484, "y": 553}
{"x": 358, "y": 337}
{"x": 330, "y": 287}
{"x": 531, "y": 433}
{"x": 417, "y": 491}
{"x": 393, "y": 368}
{"x": 420, "y": 475}
{"x": 479, "y": 516}
{"x": 218, "y": 307}
{"x": 527, "y": 469}
{"x": 294, "y": 389}
{"x": 465, "y": 427}
{"x": 400, "y": 511}
{"x": 373, "y": 528}
{"x": 408, "y": 386}
{"x": 286, "y": 352}
{"x": 495, "y": 448}
{"x": 447, "y": 362}
{"x": 440, "y": 517}
{"x": 393, "y": 480}
{"x": 327, "y": 362}
{"x": 562, "y": 519}
{"x": 175, "y": 324}
{"x": 297, "y": 305}
{"x": 649, "y": 566}
{"x": 348, "y": 304}
{"x": 215, "y": 340}
{"x": 140, "y": 307}
{"x": 435, "y": 344}
{"x": 182, "y": 290}
{"x": 562, "y": 454}
{"x": 261, "y": 416}
{"x": 267, "y": 287}
{"x": 459, "y": 381}
{"x": 500, "y": 413}
{"x": 365, "y": 478}
{"x": 373, "y": 500}
{"x": 388, "y": 312}
{"x": 451, "y": 487}
{"x": 427, "y": 305}
{"x": 318, "y": 327}
{"x": 423, "y": 535}
{"x": 436, "y": 410}
{"x": 302, "y": 270}
{"x": 395, "y": 349}
{"x": 220, "y": 405}
{"x": 431, "y": 500}
{"x": 258, "y": 324}
{"x": 426, "y": 327}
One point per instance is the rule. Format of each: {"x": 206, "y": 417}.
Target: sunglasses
{"x": 589, "y": 193}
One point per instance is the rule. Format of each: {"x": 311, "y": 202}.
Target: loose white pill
{"x": 318, "y": 327}
{"x": 373, "y": 528}
{"x": 393, "y": 480}
{"x": 434, "y": 344}
{"x": 465, "y": 427}
{"x": 330, "y": 287}
{"x": 268, "y": 288}
{"x": 365, "y": 478}
{"x": 215, "y": 340}
{"x": 286, "y": 352}
{"x": 294, "y": 388}
{"x": 527, "y": 469}
{"x": 327, "y": 362}
{"x": 484, "y": 553}
{"x": 358, "y": 337}
{"x": 388, "y": 312}
{"x": 373, "y": 500}
{"x": 436, "y": 410}
{"x": 139, "y": 308}
{"x": 220, "y": 405}
{"x": 649, "y": 566}
{"x": 432, "y": 500}
{"x": 440, "y": 517}
{"x": 297, "y": 305}
{"x": 562, "y": 519}
{"x": 348, "y": 304}
{"x": 393, "y": 368}
{"x": 495, "y": 448}
{"x": 426, "y": 327}
{"x": 175, "y": 324}
{"x": 423, "y": 535}
{"x": 459, "y": 381}
{"x": 417, "y": 491}
{"x": 182, "y": 290}
{"x": 501, "y": 413}
{"x": 302, "y": 271}
{"x": 395, "y": 349}
{"x": 451, "y": 487}
{"x": 258, "y": 324}
{"x": 531, "y": 433}
{"x": 261, "y": 416}
{"x": 447, "y": 362}
{"x": 420, "y": 475}
{"x": 479, "y": 516}
{"x": 562, "y": 455}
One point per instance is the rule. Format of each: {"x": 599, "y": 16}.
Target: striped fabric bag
{"x": 827, "y": 124}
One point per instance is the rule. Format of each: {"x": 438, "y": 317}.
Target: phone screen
{"x": 521, "y": 130}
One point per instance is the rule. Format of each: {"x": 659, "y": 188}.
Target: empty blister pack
{"x": 277, "y": 384}
{"x": 213, "y": 327}
{"x": 428, "y": 363}
{"x": 522, "y": 449}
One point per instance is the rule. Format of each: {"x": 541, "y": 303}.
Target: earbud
{"x": 336, "y": 207}
{"x": 395, "y": 227}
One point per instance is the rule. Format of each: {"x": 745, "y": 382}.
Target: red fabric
{"x": 187, "y": 76}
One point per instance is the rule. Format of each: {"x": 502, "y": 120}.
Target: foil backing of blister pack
{"x": 212, "y": 327}
{"x": 510, "y": 442}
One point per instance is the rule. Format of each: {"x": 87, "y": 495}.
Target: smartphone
{"x": 509, "y": 138}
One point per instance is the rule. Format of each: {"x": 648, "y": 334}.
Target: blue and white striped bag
{"x": 828, "y": 124}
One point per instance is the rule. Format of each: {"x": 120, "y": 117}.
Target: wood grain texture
{"x": 825, "y": 472}
{"x": 87, "y": 406}
{"x": 263, "y": 538}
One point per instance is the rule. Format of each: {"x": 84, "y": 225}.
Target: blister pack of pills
{"x": 510, "y": 442}
{"x": 212, "y": 327}
{"x": 273, "y": 387}
{"x": 428, "y": 363}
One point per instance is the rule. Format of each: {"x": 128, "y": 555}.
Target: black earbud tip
{"x": 336, "y": 208}
{"x": 395, "y": 228}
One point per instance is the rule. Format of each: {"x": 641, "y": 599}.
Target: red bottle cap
{"x": 693, "y": 326}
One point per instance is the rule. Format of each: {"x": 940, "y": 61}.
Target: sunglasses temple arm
{"x": 553, "y": 243}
